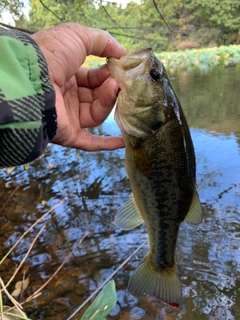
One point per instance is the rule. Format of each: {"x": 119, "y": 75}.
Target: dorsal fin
{"x": 128, "y": 217}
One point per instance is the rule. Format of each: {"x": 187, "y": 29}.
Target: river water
{"x": 94, "y": 185}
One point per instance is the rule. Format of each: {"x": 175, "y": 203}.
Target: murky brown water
{"x": 93, "y": 186}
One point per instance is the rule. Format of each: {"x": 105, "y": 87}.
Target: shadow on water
{"x": 94, "y": 185}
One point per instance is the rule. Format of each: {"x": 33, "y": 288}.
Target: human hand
{"x": 84, "y": 97}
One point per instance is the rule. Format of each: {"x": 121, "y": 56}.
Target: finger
{"x": 104, "y": 45}
{"x": 91, "y": 78}
{"x": 89, "y": 142}
{"x": 66, "y": 46}
{"x": 96, "y": 105}
{"x": 96, "y": 41}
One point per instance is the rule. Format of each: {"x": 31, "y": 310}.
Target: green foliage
{"x": 131, "y": 25}
{"x": 102, "y": 304}
{"x": 201, "y": 58}
{"x": 163, "y": 25}
{"x": 224, "y": 15}
{"x": 56, "y": 12}
{"x": 12, "y": 6}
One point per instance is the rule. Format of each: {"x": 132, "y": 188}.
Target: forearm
{"x": 27, "y": 100}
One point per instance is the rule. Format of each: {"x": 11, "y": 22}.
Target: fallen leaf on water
{"x": 26, "y": 166}
{"x": 19, "y": 286}
{"x": 9, "y": 170}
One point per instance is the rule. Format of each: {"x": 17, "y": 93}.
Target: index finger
{"x": 88, "y": 142}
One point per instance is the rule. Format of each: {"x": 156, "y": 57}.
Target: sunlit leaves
{"x": 12, "y": 6}
{"x": 224, "y": 14}
{"x": 160, "y": 24}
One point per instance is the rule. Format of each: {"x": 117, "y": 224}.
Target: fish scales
{"x": 160, "y": 165}
{"x": 169, "y": 202}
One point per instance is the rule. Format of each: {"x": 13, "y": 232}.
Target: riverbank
{"x": 203, "y": 59}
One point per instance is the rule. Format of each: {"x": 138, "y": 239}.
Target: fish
{"x": 161, "y": 167}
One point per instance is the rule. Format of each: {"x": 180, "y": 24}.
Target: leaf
{"x": 14, "y": 314}
{"x": 102, "y": 304}
{"x": 26, "y": 166}
{"x": 9, "y": 170}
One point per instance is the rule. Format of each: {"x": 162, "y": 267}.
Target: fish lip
{"x": 145, "y": 49}
{"x": 130, "y": 61}
{"x": 134, "y": 59}
{"x": 131, "y": 64}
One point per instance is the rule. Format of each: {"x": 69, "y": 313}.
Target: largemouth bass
{"x": 160, "y": 164}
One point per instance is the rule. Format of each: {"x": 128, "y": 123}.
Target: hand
{"x": 84, "y": 97}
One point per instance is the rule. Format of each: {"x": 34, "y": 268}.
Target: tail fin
{"x": 146, "y": 279}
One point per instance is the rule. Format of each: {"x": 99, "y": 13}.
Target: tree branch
{"x": 125, "y": 35}
{"x": 162, "y": 17}
{"x": 46, "y": 7}
{"x": 16, "y": 28}
{"x": 109, "y": 16}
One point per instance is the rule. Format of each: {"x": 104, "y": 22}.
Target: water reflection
{"x": 94, "y": 185}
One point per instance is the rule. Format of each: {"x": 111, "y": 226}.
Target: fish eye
{"x": 155, "y": 74}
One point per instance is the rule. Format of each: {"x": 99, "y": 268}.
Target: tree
{"x": 131, "y": 25}
{"x": 12, "y": 6}
{"x": 224, "y": 15}
{"x": 55, "y": 12}
{"x": 163, "y": 25}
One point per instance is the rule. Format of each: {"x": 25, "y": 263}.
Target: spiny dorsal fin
{"x": 195, "y": 214}
{"x": 128, "y": 217}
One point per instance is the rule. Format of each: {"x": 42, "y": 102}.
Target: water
{"x": 93, "y": 186}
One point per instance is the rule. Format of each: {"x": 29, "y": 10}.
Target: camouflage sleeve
{"x": 27, "y": 100}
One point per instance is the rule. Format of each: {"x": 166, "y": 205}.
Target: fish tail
{"x": 163, "y": 284}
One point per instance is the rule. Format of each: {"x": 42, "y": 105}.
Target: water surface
{"x": 93, "y": 187}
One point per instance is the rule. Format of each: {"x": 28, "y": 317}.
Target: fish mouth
{"x": 130, "y": 66}
{"x": 134, "y": 59}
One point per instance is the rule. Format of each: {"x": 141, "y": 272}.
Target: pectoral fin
{"x": 195, "y": 214}
{"x": 128, "y": 217}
